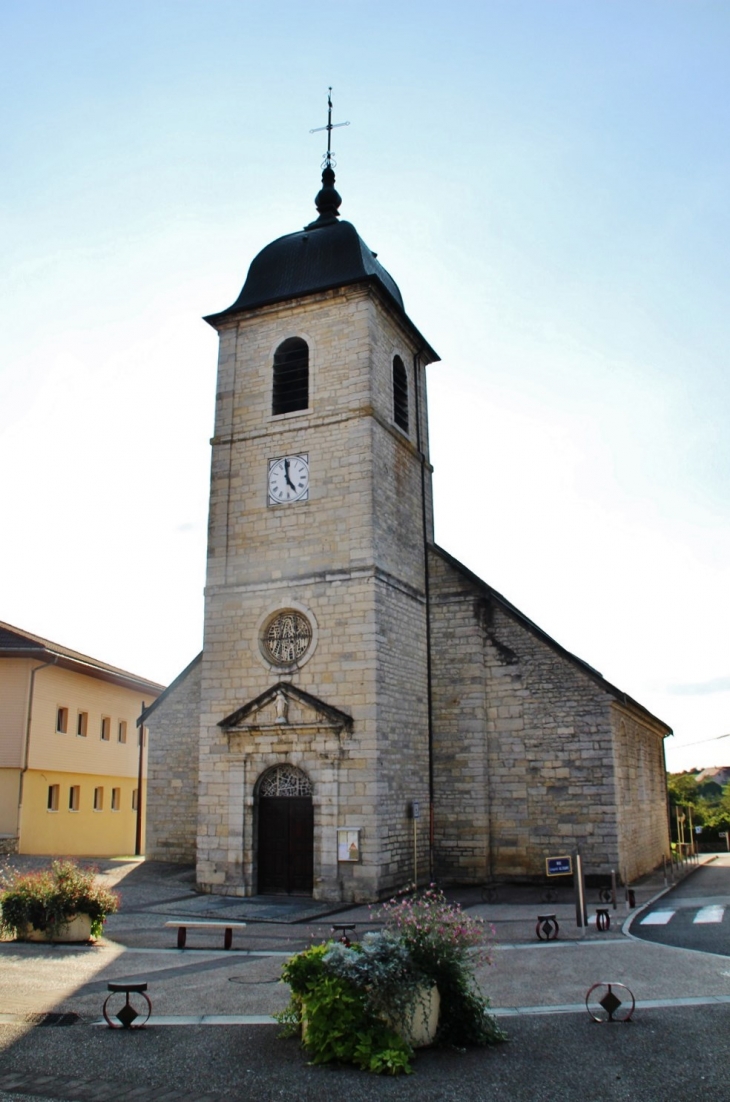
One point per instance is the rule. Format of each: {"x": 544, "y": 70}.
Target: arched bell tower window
{"x": 400, "y": 394}
{"x": 291, "y": 376}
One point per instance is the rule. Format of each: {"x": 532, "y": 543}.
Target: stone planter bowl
{"x": 78, "y": 928}
{"x": 418, "y": 1028}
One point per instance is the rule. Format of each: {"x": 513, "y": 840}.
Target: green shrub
{"x": 336, "y": 1017}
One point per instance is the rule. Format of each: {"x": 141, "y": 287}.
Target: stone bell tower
{"x": 314, "y": 732}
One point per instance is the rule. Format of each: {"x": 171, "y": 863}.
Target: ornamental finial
{"x": 328, "y": 200}
{"x": 329, "y": 161}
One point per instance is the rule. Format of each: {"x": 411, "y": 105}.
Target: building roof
{"x": 170, "y": 688}
{"x": 325, "y": 254}
{"x": 303, "y": 263}
{"x": 531, "y": 626}
{"x": 17, "y": 643}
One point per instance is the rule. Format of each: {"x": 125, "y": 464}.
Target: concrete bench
{"x": 183, "y": 927}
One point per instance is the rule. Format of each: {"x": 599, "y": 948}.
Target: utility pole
{"x": 140, "y": 771}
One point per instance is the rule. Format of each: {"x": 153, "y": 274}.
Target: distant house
{"x": 719, "y": 775}
{"x": 69, "y": 749}
{"x": 712, "y": 781}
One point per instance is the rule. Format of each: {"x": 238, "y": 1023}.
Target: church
{"x": 366, "y": 712}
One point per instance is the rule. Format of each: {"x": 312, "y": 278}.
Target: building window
{"x": 106, "y": 728}
{"x": 122, "y": 731}
{"x": 74, "y": 797}
{"x": 98, "y": 799}
{"x": 400, "y": 394}
{"x": 286, "y": 638}
{"x": 291, "y": 376}
{"x": 135, "y": 799}
{"x": 116, "y": 799}
{"x": 82, "y": 724}
{"x": 62, "y": 720}
{"x": 53, "y": 797}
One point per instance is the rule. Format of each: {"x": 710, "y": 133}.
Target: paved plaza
{"x": 211, "y": 1035}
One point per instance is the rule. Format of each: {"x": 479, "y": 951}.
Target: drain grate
{"x": 52, "y": 1019}
{"x": 259, "y": 983}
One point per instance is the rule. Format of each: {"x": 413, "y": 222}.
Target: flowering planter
{"x": 44, "y": 895}
{"x": 78, "y": 928}
{"x": 372, "y": 1003}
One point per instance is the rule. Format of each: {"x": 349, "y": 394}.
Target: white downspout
{"x": 26, "y": 754}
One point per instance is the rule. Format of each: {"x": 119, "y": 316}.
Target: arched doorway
{"x": 286, "y": 832}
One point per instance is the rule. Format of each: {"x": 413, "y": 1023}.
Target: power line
{"x": 713, "y": 738}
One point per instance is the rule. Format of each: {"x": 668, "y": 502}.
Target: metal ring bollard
{"x": 603, "y": 919}
{"x": 127, "y": 1015}
{"x": 610, "y": 1002}
{"x": 547, "y": 928}
{"x": 343, "y": 938}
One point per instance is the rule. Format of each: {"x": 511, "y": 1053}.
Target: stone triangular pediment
{"x": 284, "y": 705}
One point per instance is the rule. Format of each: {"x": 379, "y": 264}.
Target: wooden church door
{"x": 286, "y": 833}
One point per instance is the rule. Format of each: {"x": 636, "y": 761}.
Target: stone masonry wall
{"x": 642, "y": 794}
{"x": 340, "y": 671}
{"x": 552, "y": 776}
{"x": 402, "y": 725}
{"x": 461, "y": 747}
{"x": 543, "y": 780}
{"x": 172, "y": 764}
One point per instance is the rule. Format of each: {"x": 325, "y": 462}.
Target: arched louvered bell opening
{"x": 291, "y": 376}
{"x": 400, "y": 394}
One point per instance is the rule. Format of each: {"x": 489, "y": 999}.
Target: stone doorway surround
{"x": 287, "y": 726}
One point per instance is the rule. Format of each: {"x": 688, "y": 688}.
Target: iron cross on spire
{"x": 328, "y": 162}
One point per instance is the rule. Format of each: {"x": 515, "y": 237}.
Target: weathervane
{"x": 328, "y": 161}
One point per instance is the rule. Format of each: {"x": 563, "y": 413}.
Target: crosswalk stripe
{"x": 713, "y": 913}
{"x": 657, "y": 918}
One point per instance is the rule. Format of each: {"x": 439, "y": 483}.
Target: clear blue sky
{"x": 547, "y": 182}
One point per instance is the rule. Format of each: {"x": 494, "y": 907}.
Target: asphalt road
{"x": 668, "y": 1055}
{"x": 676, "y": 1048}
{"x": 694, "y": 915}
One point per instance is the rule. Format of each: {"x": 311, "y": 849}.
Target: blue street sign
{"x": 559, "y": 866}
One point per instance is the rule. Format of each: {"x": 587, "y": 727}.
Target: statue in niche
{"x": 282, "y": 708}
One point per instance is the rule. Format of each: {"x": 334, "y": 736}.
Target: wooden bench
{"x": 183, "y": 927}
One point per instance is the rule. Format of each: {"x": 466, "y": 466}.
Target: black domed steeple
{"x": 327, "y": 253}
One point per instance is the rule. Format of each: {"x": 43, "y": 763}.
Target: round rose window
{"x": 287, "y": 638}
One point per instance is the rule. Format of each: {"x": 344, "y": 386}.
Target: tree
{"x": 682, "y": 788}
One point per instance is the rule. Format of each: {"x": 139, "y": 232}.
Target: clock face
{"x": 288, "y": 479}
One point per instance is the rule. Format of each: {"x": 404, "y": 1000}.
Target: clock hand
{"x": 286, "y": 475}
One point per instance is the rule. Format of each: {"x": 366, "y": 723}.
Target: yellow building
{"x": 70, "y": 752}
